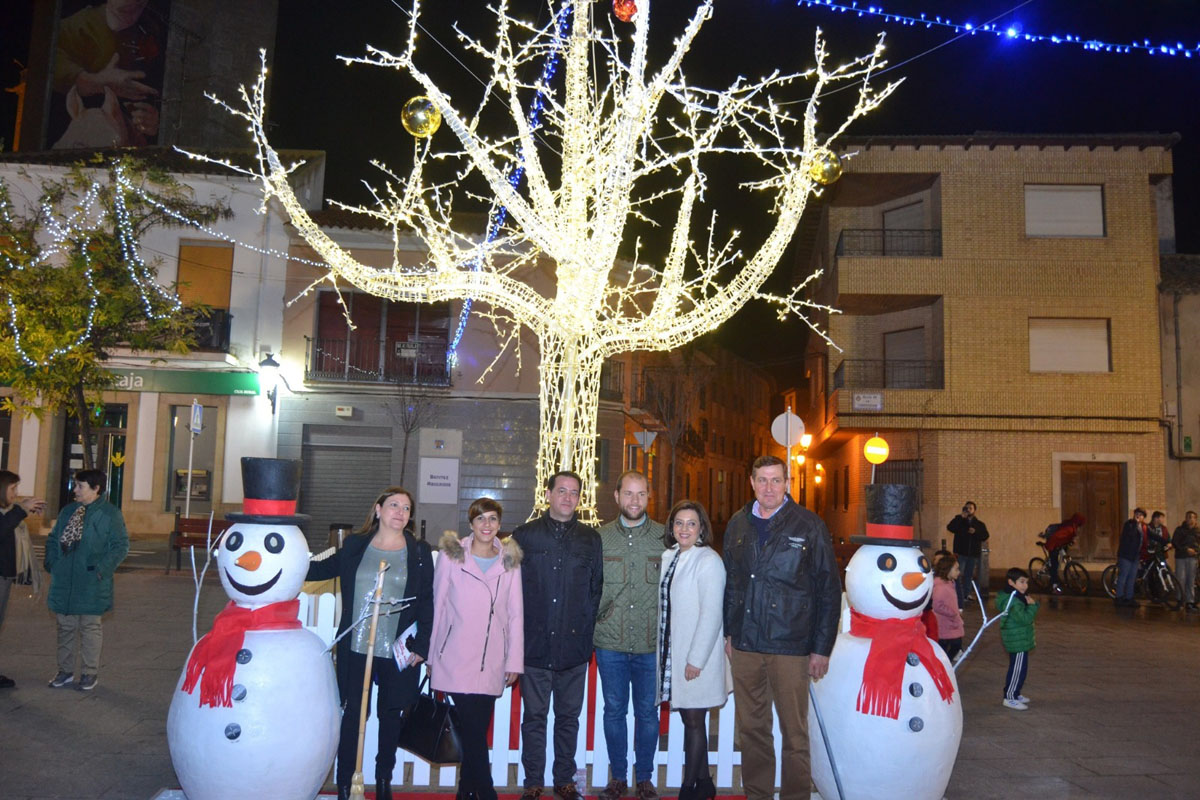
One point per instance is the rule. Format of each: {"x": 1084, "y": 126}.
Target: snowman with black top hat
{"x": 255, "y": 713}
{"x": 886, "y": 720}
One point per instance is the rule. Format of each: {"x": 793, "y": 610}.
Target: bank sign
{"x": 183, "y": 381}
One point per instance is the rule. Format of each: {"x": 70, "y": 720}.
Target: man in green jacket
{"x": 85, "y": 548}
{"x": 627, "y": 636}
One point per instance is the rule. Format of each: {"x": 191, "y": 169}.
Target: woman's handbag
{"x": 431, "y": 729}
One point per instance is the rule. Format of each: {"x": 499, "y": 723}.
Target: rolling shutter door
{"x": 339, "y": 485}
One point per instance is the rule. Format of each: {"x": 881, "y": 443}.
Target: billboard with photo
{"x": 108, "y": 74}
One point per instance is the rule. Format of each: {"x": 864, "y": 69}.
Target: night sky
{"x": 973, "y": 83}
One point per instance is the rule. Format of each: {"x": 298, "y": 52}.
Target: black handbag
{"x": 431, "y": 729}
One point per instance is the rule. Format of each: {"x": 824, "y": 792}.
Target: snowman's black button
{"x": 915, "y": 689}
{"x": 239, "y": 692}
{"x": 912, "y": 659}
{"x": 233, "y": 731}
{"x": 244, "y": 656}
{"x": 916, "y": 724}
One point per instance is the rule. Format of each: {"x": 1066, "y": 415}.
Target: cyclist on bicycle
{"x": 1058, "y": 536}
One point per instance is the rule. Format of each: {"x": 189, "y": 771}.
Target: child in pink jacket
{"x": 945, "y": 605}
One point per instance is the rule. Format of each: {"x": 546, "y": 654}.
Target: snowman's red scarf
{"x": 883, "y": 675}
{"x": 214, "y": 658}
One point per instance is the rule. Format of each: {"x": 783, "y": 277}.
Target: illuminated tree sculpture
{"x": 618, "y": 142}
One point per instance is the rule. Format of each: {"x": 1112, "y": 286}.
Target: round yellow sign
{"x": 876, "y": 450}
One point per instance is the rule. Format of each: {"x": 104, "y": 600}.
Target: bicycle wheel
{"x": 1171, "y": 591}
{"x": 1039, "y": 575}
{"x": 1076, "y": 578}
{"x": 1108, "y": 580}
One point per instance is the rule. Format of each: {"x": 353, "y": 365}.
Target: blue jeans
{"x": 618, "y": 671}
{"x": 968, "y": 566}
{"x": 1126, "y": 577}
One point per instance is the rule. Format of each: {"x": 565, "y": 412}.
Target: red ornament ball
{"x": 625, "y": 10}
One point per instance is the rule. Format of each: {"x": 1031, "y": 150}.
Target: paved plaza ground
{"x": 1115, "y": 707}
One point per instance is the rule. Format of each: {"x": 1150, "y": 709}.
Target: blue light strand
{"x": 498, "y": 215}
{"x": 1013, "y": 31}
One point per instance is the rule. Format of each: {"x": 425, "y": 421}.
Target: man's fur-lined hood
{"x": 452, "y": 547}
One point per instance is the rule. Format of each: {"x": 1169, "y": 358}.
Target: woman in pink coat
{"x": 478, "y": 642}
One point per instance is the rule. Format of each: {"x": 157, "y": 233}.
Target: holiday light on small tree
{"x": 619, "y": 142}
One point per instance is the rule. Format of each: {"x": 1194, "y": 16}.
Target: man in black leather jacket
{"x": 782, "y": 603}
{"x": 562, "y": 576}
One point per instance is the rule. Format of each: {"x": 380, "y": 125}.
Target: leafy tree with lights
{"x": 74, "y": 288}
{"x": 622, "y": 143}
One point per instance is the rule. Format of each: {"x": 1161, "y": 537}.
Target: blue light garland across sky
{"x": 1012, "y": 30}
{"x": 498, "y": 215}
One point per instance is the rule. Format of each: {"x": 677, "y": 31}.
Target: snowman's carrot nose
{"x": 253, "y": 560}
{"x": 911, "y": 580}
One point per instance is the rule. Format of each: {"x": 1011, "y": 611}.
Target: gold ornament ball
{"x": 421, "y": 117}
{"x": 825, "y": 167}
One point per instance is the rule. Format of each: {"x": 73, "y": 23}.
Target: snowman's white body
{"x": 279, "y": 738}
{"x": 879, "y": 758}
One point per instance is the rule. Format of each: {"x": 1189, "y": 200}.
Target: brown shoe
{"x": 615, "y": 790}
{"x": 645, "y": 791}
{"x": 532, "y": 793}
{"x": 567, "y": 791}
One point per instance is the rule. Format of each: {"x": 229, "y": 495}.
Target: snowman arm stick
{"x": 837, "y": 778}
{"x": 199, "y": 580}
{"x": 986, "y": 622}
{"x": 366, "y": 613}
{"x": 357, "y": 779}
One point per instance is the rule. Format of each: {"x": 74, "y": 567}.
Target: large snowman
{"x": 890, "y": 702}
{"x": 255, "y": 713}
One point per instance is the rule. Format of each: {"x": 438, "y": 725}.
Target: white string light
{"x": 617, "y": 126}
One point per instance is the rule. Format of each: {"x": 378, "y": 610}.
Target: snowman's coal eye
{"x": 924, "y": 562}
{"x": 887, "y": 562}
{"x": 233, "y": 541}
{"x": 274, "y": 542}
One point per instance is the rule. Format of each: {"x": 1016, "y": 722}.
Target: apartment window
{"x": 602, "y": 447}
{"x": 1060, "y": 210}
{"x": 205, "y": 273}
{"x": 1069, "y": 345}
{"x": 404, "y": 342}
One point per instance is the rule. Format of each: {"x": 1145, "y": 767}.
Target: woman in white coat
{"x": 693, "y": 671}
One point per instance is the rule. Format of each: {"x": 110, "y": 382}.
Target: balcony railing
{"x": 370, "y": 360}
{"x": 212, "y": 330}
{"x": 864, "y": 242}
{"x": 877, "y": 373}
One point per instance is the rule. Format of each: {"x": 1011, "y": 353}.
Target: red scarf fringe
{"x": 883, "y": 675}
{"x": 214, "y": 658}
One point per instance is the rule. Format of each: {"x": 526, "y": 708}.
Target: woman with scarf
{"x": 83, "y": 552}
{"x": 478, "y": 645}
{"x": 409, "y": 575}
{"x": 15, "y": 552}
{"x": 693, "y": 671}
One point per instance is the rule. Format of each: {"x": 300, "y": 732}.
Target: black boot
{"x": 705, "y": 788}
{"x": 343, "y": 792}
{"x": 688, "y": 791}
{"x": 383, "y": 788}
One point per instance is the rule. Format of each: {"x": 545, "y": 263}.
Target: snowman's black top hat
{"x": 890, "y": 508}
{"x": 272, "y": 489}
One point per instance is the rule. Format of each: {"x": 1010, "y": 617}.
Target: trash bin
{"x": 338, "y": 532}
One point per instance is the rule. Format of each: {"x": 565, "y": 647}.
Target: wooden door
{"x": 1094, "y": 490}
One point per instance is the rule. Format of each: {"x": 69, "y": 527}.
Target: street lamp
{"x": 268, "y": 373}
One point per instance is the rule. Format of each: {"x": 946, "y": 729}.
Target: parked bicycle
{"x": 1074, "y": 575}
{"x": 1155, "y": 580}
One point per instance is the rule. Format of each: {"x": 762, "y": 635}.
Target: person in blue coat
{"x": 85, "y": 548}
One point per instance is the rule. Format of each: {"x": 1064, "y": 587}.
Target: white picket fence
{"x": 319, "y": 615}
